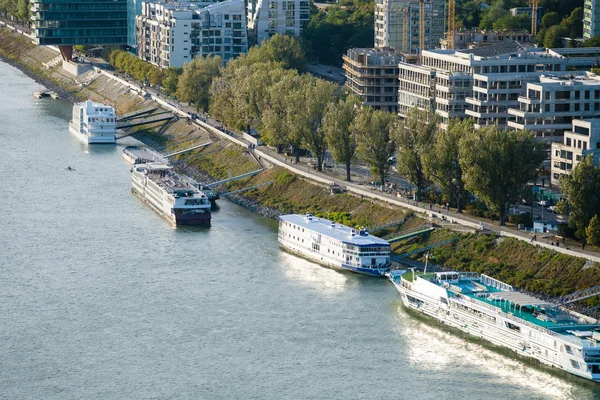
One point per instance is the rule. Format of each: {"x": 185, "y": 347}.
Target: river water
{"x": 101, "y": 298}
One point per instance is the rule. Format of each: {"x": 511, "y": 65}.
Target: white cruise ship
{"x": 334, "y": 245}
{"x": 168, "y": 194}
{"x": 493, "y": 310}
{"x": 94, "y": 123}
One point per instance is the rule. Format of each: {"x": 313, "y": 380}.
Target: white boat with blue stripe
{"x": 334, "y": 245}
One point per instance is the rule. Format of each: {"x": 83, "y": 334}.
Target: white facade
{"x": 591, "y": 18}
{"x": 94, "y": 123}
{"x": 335, "y": 245}
{"x": 482, "y": 83}
{"x": 550, "y": 105}
{"x": 269, "y": 17}
{"x": 172, "y": 34}
{"x": 397, "y": 24}
{"x": 582, "y": 140}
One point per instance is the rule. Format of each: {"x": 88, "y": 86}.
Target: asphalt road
{"x": 321, "y": 70}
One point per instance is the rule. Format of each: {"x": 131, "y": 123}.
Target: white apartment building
{"x": 397, "y": 24}
{"x": 469, "y": 39}
{"x": 582, "y": 140}
{"x": 549, "y": 106}
{"x": 482, "y": 83}
{"x": 171, "y": 34}
{"x": 265, "y": 18}
{"x": 372, "y": 75}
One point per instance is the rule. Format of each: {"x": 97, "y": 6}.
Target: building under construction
{"x": 398, "y": 22}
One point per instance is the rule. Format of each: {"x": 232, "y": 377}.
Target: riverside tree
{"x": 316, "y": 94}
{"x": 592, "y": 231}
{"x": 442, "y": 161}
{"x": 195, "y": 82}
{"x": 582, "y": 189}
{"x": 375, "y": 145}
{"x": 498, "y": 164}
{"x": 336, "y": 124}
{"x": 414, "y": 139}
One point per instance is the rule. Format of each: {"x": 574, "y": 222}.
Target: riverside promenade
{"x": 303, "y": 169}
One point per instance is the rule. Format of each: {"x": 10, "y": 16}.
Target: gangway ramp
{"x": 188, "y": 149}
{"x": 144, "y": 122}
{"x": 411, "y": 233}
{"x": 136, "y": 113}
{"x": 235, "y": 178}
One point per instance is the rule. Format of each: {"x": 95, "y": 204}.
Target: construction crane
{"x": 421, "y": 29}
{"x": 534, "y": 17}
{"x": 452, "y": 24}
{"x": 406, "y": 30}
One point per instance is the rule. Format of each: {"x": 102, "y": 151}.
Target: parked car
{"x": 392, "y": 160}
{"x": 544, "y": 203}
{"x": 552, "y": 209}
{"x": 525, "y": 202}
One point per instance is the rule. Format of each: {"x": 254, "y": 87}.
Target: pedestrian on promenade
{"x": 582, "y": 245}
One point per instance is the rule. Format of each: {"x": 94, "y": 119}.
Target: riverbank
{"x": 280, "y": 190}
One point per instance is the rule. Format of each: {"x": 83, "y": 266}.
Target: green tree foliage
{"x": 138, "y": 69}
{"x": 549, "y": 19}
{"x": 195, "y": 82}
{"x": 468, "y": 13}
{"x": 510, "y": 23}
{"x": 592, "y": 42}
{"x": 592, "y": 232}
{"x": 414, "y": 139}
{"x": 373, "y": 130}
{"x": 553, "y": 36}
{"x": 582, "y": 189}
{"x": 315, "y": 95}
{"x": 282, "y": 49}
{"x": 171, "y": 79}
{"x": 495, "y": 12}
{"x": 336, "y": 124}
{"x": 276, "y": 118}
{"x": 498, "y": 164}
{"x": 442, "y": 161}
{"x": 17, "y": 8}
{"x": 331, "y": 32}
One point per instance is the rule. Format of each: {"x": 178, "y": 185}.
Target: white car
{"x": 543, "y": 203}
{"x": 392, "y": 160}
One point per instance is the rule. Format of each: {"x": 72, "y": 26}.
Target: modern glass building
{"x": 134, "y": 9}
{"x": 65, "y": 23}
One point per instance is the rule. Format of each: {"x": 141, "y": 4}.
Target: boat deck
{"x": 537, "y": 312}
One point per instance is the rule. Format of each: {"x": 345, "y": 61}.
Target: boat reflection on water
{"x": 318, "y": 277}
{"x": 430, "y": 348}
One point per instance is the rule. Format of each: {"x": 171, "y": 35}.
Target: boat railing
{"x": 478, "y": 303}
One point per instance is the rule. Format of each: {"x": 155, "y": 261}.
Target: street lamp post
{"x": 542, "y": 203}
{"x": 447, "y": 206}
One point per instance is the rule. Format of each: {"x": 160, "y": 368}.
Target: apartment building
{"x": 482, "y": 83}
{"x": 582, "y": 140}
{"x": 372, "y": 75}
{"x": 397, "y": 24}
{"x": 551, "y": 105}
{"x": 265, "y": 18}
{"x": 591, "y": 18}
{"x": 469, "y": 39}
{"x": 171, "y": 34}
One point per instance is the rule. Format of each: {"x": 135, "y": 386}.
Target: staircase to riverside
{"x": 54, "y": 62}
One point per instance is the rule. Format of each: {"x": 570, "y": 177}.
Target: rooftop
{"x": 334, "y": 230}
{"x": 496, "y": 49}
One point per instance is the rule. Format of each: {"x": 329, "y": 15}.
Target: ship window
{"x": 575, "y": 364}
{"x": 512, "y": 326}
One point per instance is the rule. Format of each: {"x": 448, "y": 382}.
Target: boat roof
{"x": 334, "y": 230}
{"x": 519, "y": 298}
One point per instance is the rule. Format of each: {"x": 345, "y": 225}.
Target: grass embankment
{"x": 513, "y": 261}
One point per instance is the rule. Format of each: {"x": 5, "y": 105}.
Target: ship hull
{"x": 491, "y": 328}
{"x": 109, "y": 139}
{"x": 380, "y": 273}
{"x": 202, "y": 219}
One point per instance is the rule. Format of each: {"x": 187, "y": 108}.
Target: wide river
{"x": 100, "y": 298}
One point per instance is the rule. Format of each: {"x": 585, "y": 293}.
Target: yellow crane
{"x": 534, "y": 17}
{"x": 452, "y": 24}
